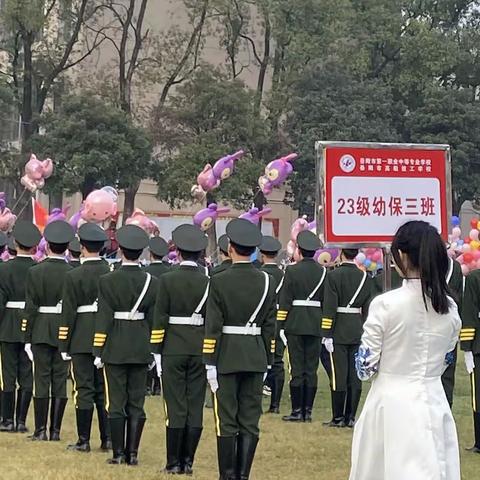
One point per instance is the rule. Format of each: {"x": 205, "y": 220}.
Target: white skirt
{"x": 406, "y": 431}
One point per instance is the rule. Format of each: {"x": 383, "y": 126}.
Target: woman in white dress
{"x": 406, "y": 430}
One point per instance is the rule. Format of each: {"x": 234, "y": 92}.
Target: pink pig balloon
{"x": 99, "y": 206}
{"x": 254, "y": 215}
{"x": 224, "y": 167}
{"x": 298, "y": 226}
{"x": 47, "y": 168}
{"x": 28, "y": 183}
{"x": 206, "y": 217}
{"x": 141, "y": 220}
{"x": 207, "y": 180}
{"x": 34, "y": 168}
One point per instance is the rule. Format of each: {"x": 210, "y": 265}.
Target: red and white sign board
{"x": 369, "y": 190}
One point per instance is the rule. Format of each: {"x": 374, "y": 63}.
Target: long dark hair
{"x": 427, "y": 253}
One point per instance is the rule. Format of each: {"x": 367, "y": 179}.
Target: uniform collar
{"x": 348, "y": 263}
{"x": 188, "y": 263}
{"x": 90, "y": 259}
{"x": 20, "y": 255}
{"x": 130, "y": 264}
{"x": 270, "y": 264}
{"x": 56, "y": 257}
{"x": 155, "y": 262}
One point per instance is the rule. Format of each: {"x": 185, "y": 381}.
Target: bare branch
{"x": 138, "y": 41}
{"x": 49, "y": 9}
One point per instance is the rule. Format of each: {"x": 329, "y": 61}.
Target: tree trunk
{"x": 87, "y": 186}
{"x": 55, "y": 200}
{"x": 259, "y": 202}
{"x": 129, "y": 203}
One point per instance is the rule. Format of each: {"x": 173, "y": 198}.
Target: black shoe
{"x": 473, "y": 449}
{"x": 174, "y": 451}
{"x": 246, "y": 447}
{"x": 84, "y": 426}
{"x": 274, "y": 410}
{"x": 335, "y": 424}
{"x": 106, "y": 446}
{"x": 7, "y": 426}
{"x": 23, "y": 403}
{"x": 117, "y": 427}
{"x": 227, "y": 457}
{"x": 57, "y": 410}
{"x": 350, "y": 423}
{"x": 296, "y": 396}
{"x": 134, "y": 434}
{"x": 309, "y": 394}
{"x": 40, "y": 406}
{"x": 191, "y": 439}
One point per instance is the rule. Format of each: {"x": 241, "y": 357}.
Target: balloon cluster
{"x": 254, "y": 215}
{"x": 140, "y": 219}
{"x": 7, "y": 218}
{"x": 370, "y": 259}
{"x": 36, "y": 172}
{"x": 276, "y": 172}
{"x": 55, "y": 215}
{"x": 205, "y": 218}
{"x": 211, "y": 177}
{"x": 299, "y": 225}
{"x": 467, "y": 250}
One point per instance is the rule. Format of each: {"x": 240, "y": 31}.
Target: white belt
{"x": 128, "y": 316}
{"x": 57, "y": 309}
{"x": 307, "y": 303}
{"x": 196, "y": 321}
{"x": 246, "y": 330}
{"x": 88, "y": 308}
{"x": 349, "y": 310}
{"x": 15, "y": 305}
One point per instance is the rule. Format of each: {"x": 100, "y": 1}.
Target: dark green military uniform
{"x": 470, "y": 342}
{"x": 276, "y": 376}
{"x": 455, "y": 283}
{"x": 301, "y": 313}
{"x": 239, "y": 345}
{"x": 74, "y": 250}
{"x": 122, "y": 341}
{"x": 179, "y": 322}
{"x": 15, "y": 365}
{"x": 43, "y": 311}
{"x": 347, "y": 296}
{"x": 3, "y": 242}
{"x": 223, "y": 247}
{"x": 158, "y": 250}
{"x": 377, "y": 284}
{"x": 75, "y": 335}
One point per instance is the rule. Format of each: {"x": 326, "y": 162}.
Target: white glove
{"x": 469, "y": 363}
{"x": 65, "y": 356}
{"x": 283, "y": 337}
{"x": 158, "y": 363}
{"x": 28, "y": 351}
{"x": 212, "y": 377}
{"x": 328, "y": 342}
{"x": 269, "y": 367}
{"x": 98, "y": 362}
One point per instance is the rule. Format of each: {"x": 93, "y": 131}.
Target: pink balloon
{"x": 34, "y": 168}
{"x": 476, "y": 254}
{"x": 477, "y": 264}
{"x": 377, "y": 256}
{"x": 198, "y": 193}
{"x": 28, "y": 183}
{"x": 99, "y": 206}
{"x": 141, "y": 220}
{"x": 473, "y": 234}
{"x": 7, "y": 220}
{"x": 206, "y": 179}
{"x": 291, "y": 246}
{"x": 460, "y": 259}
{"x": 298, "y": 226}
{"x": 47, "y": 168}
{"x": 465, "y": 269}
{"x": 456, "y": 232}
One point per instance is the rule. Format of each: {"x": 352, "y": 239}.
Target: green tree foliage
{"x": 209, "y": 117}
{"x": 93, "y": 144}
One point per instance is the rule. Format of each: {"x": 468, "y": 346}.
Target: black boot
{"x": 174, "y": 450}
{"x": 57, "y": 409}
{"x": 24, "y": 398}
{"x": 117, "y": 432}
{"x": 8, "y": 409}
{"x": 338, "y": 409}
{"x": 84, "y": 426}
{"x": 157, "y": 389}
{"x": 40, "y": 408}
{"x": 103, "y": 427}
{"x": 277, "y": 390}
{"x": 351, "y": 406}
{"x": 246, "y": 446}
{"x": 191, "y": 439}
{"x": 296, "y": 396}
{"x": 476, "y": 431}
{"x": 227, "y": 457}
{"x": 309, "y": 398}
{"x": 134, "y": 434}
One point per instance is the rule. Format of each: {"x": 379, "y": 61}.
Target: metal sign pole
{"x": 387, "y": 269}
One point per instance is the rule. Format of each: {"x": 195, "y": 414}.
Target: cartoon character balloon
{"x": 254, "y": 215}
{"x": 36, "y": 172}
{"x": 206, "y": 217}
{"x": 276, "y": 172}
{"x": 7, "y": 218}
{"x": 299, "y": 225}
{"x": 327, "y": 256}
{"x": 140, "y": 219}
{"x": 206, "y": 178}
{"x": 224, "y": 167}
{"x": 100, "y": 205}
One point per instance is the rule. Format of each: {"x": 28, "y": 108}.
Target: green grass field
{"x": 287, "y": 451}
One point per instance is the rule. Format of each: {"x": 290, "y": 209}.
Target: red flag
{"x": 40, "y": 215}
